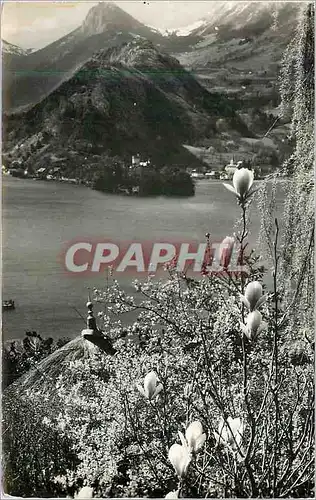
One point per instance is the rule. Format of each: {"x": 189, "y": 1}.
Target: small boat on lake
{"x": 8, "y": 305}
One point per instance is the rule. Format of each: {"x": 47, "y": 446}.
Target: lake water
{"x": 39, "y": 218}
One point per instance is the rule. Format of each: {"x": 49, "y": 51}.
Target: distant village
{"x": 54, "y": 172}
{"x": 226, "y": 172}
{"x": 137, "y": 166}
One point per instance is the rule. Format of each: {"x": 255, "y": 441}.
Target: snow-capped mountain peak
{"x": 186, "y": 30}
{"x": 10, "y": 48}
{"x": 240, "y": 15}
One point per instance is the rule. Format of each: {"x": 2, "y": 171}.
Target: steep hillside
{"x": 106, "y": 25}
{"x": 235, "y": 40}
{"x": 10, "y": 48}
{"x": 239, "y": 49}
{"x": 12, "y": 55}
{"x": 244, "y": 33}
{"x": 122, "y": 101}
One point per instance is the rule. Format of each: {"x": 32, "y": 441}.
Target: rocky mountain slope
{"x": 234, "y": 52}
{"x": 124, "y": 100}
{"x": 12, "y": 55}
{"x": 106, "y": 25}
{"x": 239, "y": 49}
{"x": 242, "y": 32}
{"x": 10, "y": 48}
{"x": 235, "y": 40}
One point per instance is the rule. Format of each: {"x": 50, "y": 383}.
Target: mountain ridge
{"x": 237, "y": 30}
{"x": 234, "y": 33}
{"x": 11, "y": 48}
{"x": 41, "y": 71}
{"x": 116, "y": 104}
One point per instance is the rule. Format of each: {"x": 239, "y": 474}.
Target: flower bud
{"x": 225, "y": 251}
{"x": 242, "y": 181}
{"x": 253, "y": 293}
{"x": 180, "y": 458}
{"x": 150, "y": 388}
{"x": 253, "y": 297}
{"x": 254, "y": 325}
{"x": 230, "y": 433}
{"x": 253, "y": 321}
{"x": 194, "y": 436}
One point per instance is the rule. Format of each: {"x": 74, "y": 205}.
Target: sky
{"x": 36, "y": 24}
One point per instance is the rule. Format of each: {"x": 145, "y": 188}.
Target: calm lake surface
{"x": 39, "y": 218}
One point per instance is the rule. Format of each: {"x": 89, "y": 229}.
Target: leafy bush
{"x": 34, "y": 454}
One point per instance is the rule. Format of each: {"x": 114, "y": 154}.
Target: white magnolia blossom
{"x": 254, "y": 325}
{"x": 173, "y": 494}
{"x": 85, "y": 492}
{"x": 230, "y": 433}
{"x": 253, "y": 297}
{"x": 226, "y": 250}
{"x": 151, "y": 388}
{"x": 194, "y": 436}
{"x": 242, "y": 183}
{"x": 180, "y": 457}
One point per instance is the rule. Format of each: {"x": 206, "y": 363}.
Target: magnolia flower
{"x": 242, "y": 182}
{"x": 150, "y": 387}
{"x": 225, "y": 251}
{"x": 194, "y": 436}
{"x": 230, "y": 433}
{"x": 253, "y": 297}
{"x": 180, "y": 457}
{"x": 172, "y": 494}
{"x": 85, "y": 492}
{"x": 254, "y": 325}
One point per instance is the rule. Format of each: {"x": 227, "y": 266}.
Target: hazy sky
{"x": 35, "y": 24}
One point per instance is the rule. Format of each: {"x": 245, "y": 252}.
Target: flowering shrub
{"x": 210, "y": 392}
{"x": 202, "y": 397}
{"x": 33, "y": 453}
{"x": 201, "y": 364}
